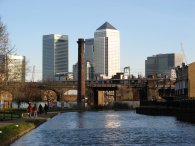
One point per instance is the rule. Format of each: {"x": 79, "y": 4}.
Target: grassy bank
{"x": 12, "y": 132}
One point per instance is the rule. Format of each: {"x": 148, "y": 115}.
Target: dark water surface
{"x": 109, "y": 128}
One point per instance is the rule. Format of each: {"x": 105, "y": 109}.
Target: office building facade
{"x": 75, "y": 71}
{"x": 163, "y": 64}
{"x": 55, "y": 56}
{"x": 89, "y": 71}
{"x": 106, "y": 50}
{"x": 89, "y": 50}
{"x": 12, "y": 68}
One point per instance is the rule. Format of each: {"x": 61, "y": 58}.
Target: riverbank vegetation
{"x": 12, "y": 132}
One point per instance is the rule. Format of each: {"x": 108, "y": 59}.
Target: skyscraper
{"x": 55, "y": 56}
{"x": 89, "y": 59}
{"x": 163, "y": 64}
{"x": 107, "y": 50}
{"x": 89, "y": 50}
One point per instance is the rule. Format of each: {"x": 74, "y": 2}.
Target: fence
{"x": 6, "y": 115}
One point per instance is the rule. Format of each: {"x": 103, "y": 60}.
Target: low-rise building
{"x": 185, "y": 82}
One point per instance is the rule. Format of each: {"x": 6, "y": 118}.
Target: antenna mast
{"x": 183, "y": 53}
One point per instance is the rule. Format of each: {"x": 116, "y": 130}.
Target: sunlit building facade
{"x": 106, "y": 50}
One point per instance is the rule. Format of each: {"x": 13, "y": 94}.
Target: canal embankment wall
{"x": 183, "y": 110}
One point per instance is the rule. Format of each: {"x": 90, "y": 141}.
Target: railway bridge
{"x": 97, "y": 92}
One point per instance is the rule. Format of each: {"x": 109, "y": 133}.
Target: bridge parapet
{"x": 103, "y": 85}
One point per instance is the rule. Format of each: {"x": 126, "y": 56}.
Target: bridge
{"x": 98, "y": 92}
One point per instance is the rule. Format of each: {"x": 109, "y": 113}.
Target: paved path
{"x": 39, "y": 117}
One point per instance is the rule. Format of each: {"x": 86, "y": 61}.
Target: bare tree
{"x": 4, "y": 42}
{"x": 32, "y": 92}
{"x": 5, "y": 47}
{"x": 17, "y": 91}
{"x": 10, "y": 69}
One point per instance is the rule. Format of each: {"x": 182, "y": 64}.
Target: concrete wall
{"x": 131, "y": 104}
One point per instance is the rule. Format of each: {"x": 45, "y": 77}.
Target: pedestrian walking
{"x": 29, "y": 110}
{"x": 45, "y": 109}
{"x": 40, "y": 109}
{"x": 35, "y": 110}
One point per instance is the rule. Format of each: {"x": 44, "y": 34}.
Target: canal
{"x": 109, "y": 128}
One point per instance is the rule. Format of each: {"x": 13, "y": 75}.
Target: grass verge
{"x": 12, "y": 132}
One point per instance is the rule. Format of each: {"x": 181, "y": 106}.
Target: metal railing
{"x": 6, "y": 115}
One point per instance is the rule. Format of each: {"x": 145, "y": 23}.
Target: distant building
{"x": 163, "y": 64}
{"x": 89, "y": 59}
{"x": 119, "y": 76}
{"x": 106, "y": 50}
{"x": 89, "y": 50}
{"x": 55, "y": 56}
{"x": 75, "y": 71}
{"x": 89, "y": 71}
{"x": 12, "y": 68}
{"x": 64, "y": 76}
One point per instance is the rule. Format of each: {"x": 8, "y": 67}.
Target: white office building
{"x": 55, "y": 56}
{"x": 106, "y": 50}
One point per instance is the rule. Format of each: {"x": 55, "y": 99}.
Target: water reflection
{"x": 112, "y": 121}
{"x": 109, "y": 128}
{"x": 80, "y": 120}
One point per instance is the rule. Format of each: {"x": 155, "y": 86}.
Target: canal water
{"x": 109, "y": 128}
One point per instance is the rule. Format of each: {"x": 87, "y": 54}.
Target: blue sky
{"x": 147, "y": 27}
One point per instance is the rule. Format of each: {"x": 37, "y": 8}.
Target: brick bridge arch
{"x": 63, "y": 94}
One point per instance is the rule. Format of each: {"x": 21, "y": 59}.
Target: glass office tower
{"x": 55, "y": 56}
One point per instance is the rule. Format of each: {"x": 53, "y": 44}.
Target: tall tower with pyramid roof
{"x": 107, "y": 50}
